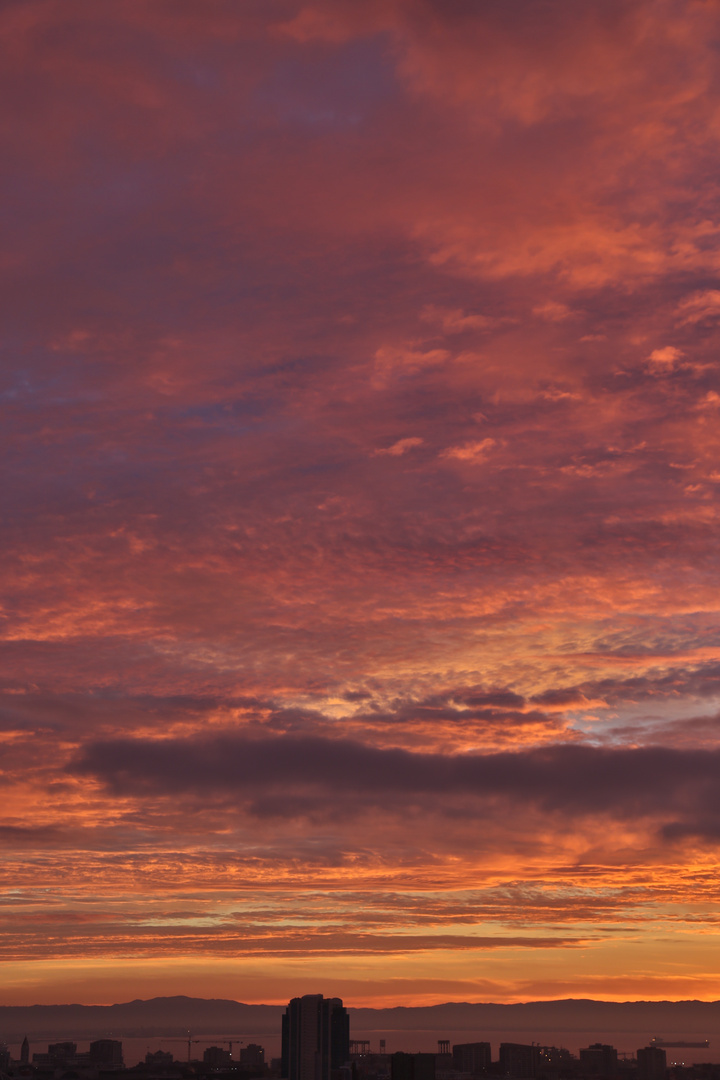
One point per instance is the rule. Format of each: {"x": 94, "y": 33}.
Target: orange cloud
{"x": 359, "y": 391}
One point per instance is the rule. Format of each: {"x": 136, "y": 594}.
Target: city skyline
{"x": 314, "y": 1047}
{"x": 360, "y": 430}
{"x": 316, "y": 1044}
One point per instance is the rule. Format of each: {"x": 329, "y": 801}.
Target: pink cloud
{"x": 475, "y": 452}
{"x": 402, "y": 446}
{"x": 359, "y": 386}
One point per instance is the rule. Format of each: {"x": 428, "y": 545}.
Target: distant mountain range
{"x": 175, "y": 1016}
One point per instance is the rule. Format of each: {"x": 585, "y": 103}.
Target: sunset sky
{"x": 359, "y": 514}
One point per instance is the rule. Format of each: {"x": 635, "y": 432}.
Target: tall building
{"x": 217, "y": 1057}
{"x": 519, "y": 1060}
{"x": 63, "y": 1051}
{"x": 412, "y": 1066}
{"x": 25, "y": 1052}
{"x": 315, "y": 1038}
{"x": 106, "y": 1052}
{"x": 252, "y": 1057}
{"x": 471, "y": 1057}
{"x": 599, "y": 1060}
{"x": 652, "y": 1063}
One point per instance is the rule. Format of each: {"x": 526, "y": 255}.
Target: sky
{"x": 360, "y": 462}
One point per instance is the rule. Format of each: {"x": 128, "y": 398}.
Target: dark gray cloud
{"x": 291, "y": 775}
{"x": 669, "y": 679}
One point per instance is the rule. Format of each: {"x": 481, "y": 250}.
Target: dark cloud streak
{"x": 287, "y": 770}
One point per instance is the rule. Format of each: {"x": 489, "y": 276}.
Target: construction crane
{"x": 190, "y": 1042}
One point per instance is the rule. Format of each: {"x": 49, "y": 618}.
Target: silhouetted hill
{"x": 175, "y": 1016}
{"x": 158, "y": 1016}
{"x": 571, "y": 1014}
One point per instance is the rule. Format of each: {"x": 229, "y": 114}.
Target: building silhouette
{"x": 652, "y": 1063}
{"x": 412, "y": 1066}
{"x": 25, "y": 1052}
{"x": 252, "y": 1057}
{"x": 159, "y": 1058}
{"x": 217, "y": 1057}
{"x": 599, "y": 1060}
{"x": 63, "y": 1050}
{"x": 315, "y": 1038}
{"x": 471, "y": 1057}
{"x": 519, "y": 1060}
{"x": 107, "y": 1053}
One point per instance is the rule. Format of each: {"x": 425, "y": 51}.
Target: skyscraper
{"x": 106, "y": 1052}
{"x": 472, "y": 1057}
{"x": 519, "y": 1060}
{"x": 652, "y": 1063}
{"x": 315, "y": 1037}
{"x": 599, "y": 1060}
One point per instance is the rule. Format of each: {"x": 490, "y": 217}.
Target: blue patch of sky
{"x": 56, "y": 379}
{"x": 128, "y": 189}
{"x": 223, "y": 414}
{"x": 330, "y": 89}
{"x": 205, "y": 75}
{"x": 641, "y": 723}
